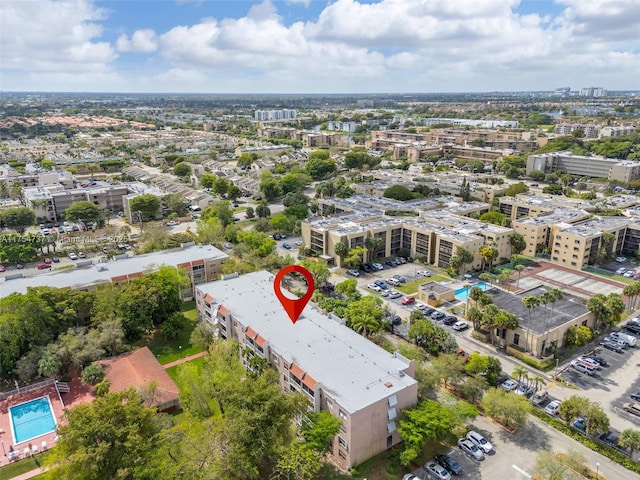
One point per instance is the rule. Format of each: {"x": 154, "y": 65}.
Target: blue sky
{"x": 315, "y": 46}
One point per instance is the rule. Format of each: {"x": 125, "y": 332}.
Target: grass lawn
{"x": 412, "y": 287}
{"x": 173, "y": 371}
{"x": 22, "y": 466}
{"x": 169, "y": 350}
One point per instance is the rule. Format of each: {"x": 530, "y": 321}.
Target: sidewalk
{"x": 30, "y": 474}
{"x": 184, "y": 360}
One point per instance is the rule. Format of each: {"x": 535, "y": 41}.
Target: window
{"x": 391, "y": 427}
{"x": 342, "y": 455}
{"x": 341, "y": 414}
{"x": 342, "y": 442}
{"x": 393, "y": 401}
{"x": 391, "y": 413}
{"x": 516, "y": 339}
{"x": 329, "y": 403}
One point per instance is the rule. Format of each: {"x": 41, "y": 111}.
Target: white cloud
{"x": 53, "y": 37}
{"x": 389, "y": 45}
{"x": 142, "y": 41}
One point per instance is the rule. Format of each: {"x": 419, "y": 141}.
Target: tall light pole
{"x": 597, "y": 470}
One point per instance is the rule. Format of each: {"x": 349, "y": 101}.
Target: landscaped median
{"x": 412, "y": 287}
{"x": 609, "y": 452}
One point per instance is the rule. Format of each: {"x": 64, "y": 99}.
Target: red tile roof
{"x": 208, "y": 298}
{"x": 260, "y": 341}
{"x": 223, "y": 310}
{"x": 136, "y": 369}
{"x": 309, "y": 381}
{"x": 251, "y": 333}
{"x": 297, "y": 371}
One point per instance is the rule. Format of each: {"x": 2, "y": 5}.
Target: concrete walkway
{"x": 185, "y": 359}
{"x": 30, "y": 474}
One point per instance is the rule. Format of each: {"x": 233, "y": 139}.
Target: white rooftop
{"x": 349, "y": 367}
{"x": 86, "y": 273}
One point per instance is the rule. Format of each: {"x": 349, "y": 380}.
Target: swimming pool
{"x": 32, "y": 419}
{"x": 461, "y": 293}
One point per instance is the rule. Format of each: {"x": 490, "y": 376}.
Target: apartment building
{"x": 201, "y": 263}
{"x": 596, "y": 167}
{"x": 336, "y": 369}
{"x": 435, "y": 234}
{"x": 342, "y": 126}
{"x": 11, "y": 177}
{"x": 266, "y": 115}
{"x": 539, "y": 231}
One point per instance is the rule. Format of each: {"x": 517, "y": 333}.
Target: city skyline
{"x": 307, "y": 46}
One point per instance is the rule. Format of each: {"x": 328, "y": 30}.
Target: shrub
{"x": 93, "y": 374}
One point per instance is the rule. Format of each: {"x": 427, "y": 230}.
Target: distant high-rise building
{"x": 562, "y": 92}
{"x": 284, "y": 114}
{"x": 593, "y": 92}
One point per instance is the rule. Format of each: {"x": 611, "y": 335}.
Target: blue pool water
{"x": 461, "y": 293}
{"x": 32, "y": 419}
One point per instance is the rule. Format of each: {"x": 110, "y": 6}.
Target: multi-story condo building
{"x": 336, "y": 369}
{"x": 11, "y": 177}
{"x": 597, "y": 167}
{"x": 266, "y": 115}
{"x": 201, "y": 263}
{"x": 342, "y": 126}
{"x": 617, "y": 131}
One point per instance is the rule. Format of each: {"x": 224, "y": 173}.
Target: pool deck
{"x": 79, "y": 393}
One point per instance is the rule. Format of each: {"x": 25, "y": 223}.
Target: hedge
{"x": 609, "y": 452}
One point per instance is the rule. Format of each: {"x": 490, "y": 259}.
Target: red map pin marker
{"x": 293, "y": 307}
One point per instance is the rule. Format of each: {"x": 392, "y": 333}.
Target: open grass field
{"x": 22, "y": 466}
{"x": 168, "y": 350}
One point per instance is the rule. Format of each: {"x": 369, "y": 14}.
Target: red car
{"x": 2, "y": 269}
{"x": 43, "y": 266}
{"x": 408, "y": 300}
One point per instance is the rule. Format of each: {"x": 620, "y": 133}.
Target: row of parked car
{"x": 474, "y": 445}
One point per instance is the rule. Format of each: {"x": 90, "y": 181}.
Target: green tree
{"x": 298, "y": 462}
{"x": 319, "y": 270}
{"x": 465, "y": 190}
{"x": 210, "y": 231}
{"x": 93, "y": 374}
{"x": 319, "y": 429}
{"x": 182, "y": 170}
{"x": 449, "y": 368}
{"x": 341, "y": 249}
{"x": 473, "y": 389}
{"x": 510, "y": 410}
{"x": 488, "y": 253}
{"x": 355, "y": 256}
{"x": 49, "y": 364}
{"x": 460, "y": 258}
{"x": 578, "y": 335}
{"x": 147, "y": 204}
{"x": 553, "y": 189}
{"x": 17, "y": 218}
{"x": 630, "y": 439}
{"x": 220, "y": 186}
{"x": 518, "y": 243}
{"x": 262, "y": 210}
{"x": 207, "y": 180}
{"x": 245, "y": 160}
{"x": 250, "y": 212}
{"x": 432, "y": 338}
{"x": 108, "y": 438}
{"x": 549, "y": 466}
{"x": 83, "y": 212}
{"x": 429, "y": 421}
{"x": 496, "y": 218}
{"x": 233, "y": 192}
{"x": 319, "y": 165}
{"x": 347, "y": 287}
{"x": 516, "y": 189}
{"x": 597, "y": 305}
{"x": 365, "y": 315}
{"x": 399, "y": 192}
{"x": 616, "y": 307}
{"x": 176, "y": 204}
{"x": 358, "y": 158}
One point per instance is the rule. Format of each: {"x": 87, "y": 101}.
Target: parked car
{"x": 428, "y": 311}
{"x": 635, "y": 396}
{"x": 390, "y": 263}
{"x": 381, "y": 284}
{"x": 621, "y": 259}
{"x": 612, "y": 346}
{"x": 55, "y": 259}
{"x": 2, "y": 268}
{"x": 621, "y": 270}
{"x": 73, "y": 256}
{"x": 438, "y": 315}
{"x": 583, "y": 368}
{"x": 377, "y": 266}
{"x": 552, "y": 407}
{"x": 298, "y": 243}
{"x": 395, "y": 294}
{"x": 43, "y": 266}
{"x": 524, "y": 389}
{"x": 615, "y": 340}
{"x": 286, "y": 245}
{"x": 480, "y": 441}
{"x": 353, "y": 273}
{"x": 449, "y": 463}
{"x": 450, "y": 320}
{"x": 82, "y": 255}
{"x": 408, "y": 300}
{"x": 589, "y": 361}
{"x": 400, "y": 278}
{"x": 410, "y": 476}
{"x": 172, "y": 223}
{"x": 20, "y": 266}
{"x": 633, "y": 408}
{"x": 423, "y": 273}
{"x": 540, "y": 397}
{"x": 105, "y": 250}
{"x": 460, "y": 326}
{"x": 470, "y": 448}
{"x": 629, "y": 340}
{"x": 392, "y": 281}
{"x": 509, "y": 385}
{"x": 633, "y": 327}
{"x": 580, "y": 424}
{"x": 374, "y": 287}
{"x": 601, "y": 360}
{"x": 385, "y": 293}
{"x": 437, "y": 471}
{"x": 396, "y": 320}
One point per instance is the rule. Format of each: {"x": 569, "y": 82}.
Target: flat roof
{"x": 565, "y": 310}
{"x": 103, "y": 272}
{"x": 350, "y": 368}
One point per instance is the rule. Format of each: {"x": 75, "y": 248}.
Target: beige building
{"x": 596, "y": 167}
{"x": 543, "y": 330}
{"x": 336, "y": 369}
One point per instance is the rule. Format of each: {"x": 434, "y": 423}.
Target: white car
{"x": 172, "y": 223}
{"x": 460, "y": 326}
{"x": 509, "y": 385}
{"x": 437, "y": 471}
{"x": 395, "y": 294}
{"x": 552, "y": 408}
{"x": 374, "y": 287}
{"x": 73, "y": 256}
{"x": 621, "y": 271}
{"x": 423, "y": 273}
{"x": 621, "y": 259}
{"x": 82, "y": 255}
{"x": 392, "y": 281}
{"x": 385, "y": 293}
{"x": 298, "y": 243}
{"x": 480, "y": 441}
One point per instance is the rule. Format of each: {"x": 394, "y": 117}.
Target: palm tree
{"x": 372, "y": 244}
{"x": 4, "y": 189}
{"x": 519, "y": 373}
{"x": 519, "y": 268}
{"x": 530, "y": 302}
{"x": 365, "y": 324}
{"x": 538, "y": 382}
{"x": 630, "y": 439}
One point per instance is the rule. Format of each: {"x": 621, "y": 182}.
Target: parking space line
{"x": 518, "y": 469}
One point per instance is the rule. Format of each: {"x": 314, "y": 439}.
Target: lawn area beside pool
{"x": 169, "y": 350}
{"x": 25, "y": 465}
{"x": 412, "y": 287}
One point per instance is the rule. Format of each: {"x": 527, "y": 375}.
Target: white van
{"x": 630, "y": 340}
{"x": 583, "y": 367}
